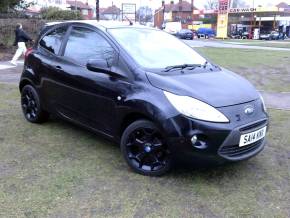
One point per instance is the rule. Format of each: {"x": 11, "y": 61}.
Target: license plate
{"x": 252, "y": 137}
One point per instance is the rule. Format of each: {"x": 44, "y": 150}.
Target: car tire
{"x": 145, "y": 150}
{"x": 31, "y": 105}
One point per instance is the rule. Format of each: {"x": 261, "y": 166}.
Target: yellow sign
{"x": 222, "y": 26}
{"x": 222, "y": 21}
{"x": 197, "y": 26}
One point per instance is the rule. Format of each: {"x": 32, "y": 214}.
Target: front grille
{"x": 253, "y": 126}
{"x": 234, "y": 151}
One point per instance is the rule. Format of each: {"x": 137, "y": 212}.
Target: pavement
{"x": 226, "y": 44}
{"x": 11, "y": 74}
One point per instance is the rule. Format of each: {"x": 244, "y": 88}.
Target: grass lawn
{"x": 263, "y": 43}
{"x": 267, "y": 70}
{"x": 269, "y": 44}
{"x": 58, "y": 170}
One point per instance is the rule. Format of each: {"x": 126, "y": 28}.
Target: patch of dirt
{"x": 6, "y": 53}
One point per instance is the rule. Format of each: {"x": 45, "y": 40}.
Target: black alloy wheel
{"x": 30, "y": 104}
{"x": 144, "y": 149}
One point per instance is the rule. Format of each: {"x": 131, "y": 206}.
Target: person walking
{"x": 20, "y": 38}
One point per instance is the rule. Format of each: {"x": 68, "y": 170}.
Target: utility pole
{"x": 97, "y": 10}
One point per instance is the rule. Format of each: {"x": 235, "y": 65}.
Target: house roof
{"x": 185, "y": 6}
{"x": 112, "y": 10}
{"x": 79, "y": 4}
{"x": 283, "y": 5}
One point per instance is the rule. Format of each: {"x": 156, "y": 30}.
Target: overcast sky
{"x": 198, "y": 3}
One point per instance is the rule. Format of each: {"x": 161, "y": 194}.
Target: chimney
{"x": 192, "y": 5}
{"x": 180, "y": 5}
{"x": 172, "y": 2}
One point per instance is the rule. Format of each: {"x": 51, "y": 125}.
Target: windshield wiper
{"x": 183, "y": 66}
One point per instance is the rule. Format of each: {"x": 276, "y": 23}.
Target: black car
{"x": 144, "y": 89}
{"x": 185, "y": 34}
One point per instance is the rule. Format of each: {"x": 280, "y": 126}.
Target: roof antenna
{"x": 130, "y": 22}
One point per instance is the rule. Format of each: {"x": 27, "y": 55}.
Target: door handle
{"x": 58, "y": 67}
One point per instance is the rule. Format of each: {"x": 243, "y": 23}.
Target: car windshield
{"x": 154, "y": 48}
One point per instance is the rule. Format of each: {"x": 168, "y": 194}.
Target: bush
{"x": 54, "y": 13}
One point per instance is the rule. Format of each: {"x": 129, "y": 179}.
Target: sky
{"x": 198, "y": 3}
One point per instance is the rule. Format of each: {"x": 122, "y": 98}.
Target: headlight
{"x": 263, "y": 103}
{"x": 196, "y": 109}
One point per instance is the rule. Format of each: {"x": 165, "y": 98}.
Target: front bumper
{"x": 218, "y": 142}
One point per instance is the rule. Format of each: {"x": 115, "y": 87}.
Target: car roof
{"x": 101, "y": 24}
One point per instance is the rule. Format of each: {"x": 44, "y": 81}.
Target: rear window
{"x": 52, "y": 40}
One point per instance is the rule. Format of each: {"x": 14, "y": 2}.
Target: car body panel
{"x": 218, "y": 88}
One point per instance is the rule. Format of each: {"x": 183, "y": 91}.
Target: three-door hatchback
{"x": 144, "y": 89}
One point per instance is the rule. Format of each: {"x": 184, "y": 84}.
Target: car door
{"x": 48, "y": 48}
{"x": 86, "y": 97}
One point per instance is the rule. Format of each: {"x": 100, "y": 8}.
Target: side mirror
{"x": 98, "y": 65}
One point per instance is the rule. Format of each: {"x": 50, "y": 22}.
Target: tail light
{"x": 28, "y": 51}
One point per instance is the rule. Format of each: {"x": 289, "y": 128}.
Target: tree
{"x": 211, "y": 5}
{"x": 11, "y": 5}
{"x": 144, "y": 14}
{"x": 239, "y": 4}
{"x": 55, "y": 13}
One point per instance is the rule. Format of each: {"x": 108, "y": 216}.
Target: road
{"x": 221, "y": 44}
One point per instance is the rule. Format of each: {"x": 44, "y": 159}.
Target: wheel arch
{"x": 25, "y": 82}
{"x": 130, "y": 118}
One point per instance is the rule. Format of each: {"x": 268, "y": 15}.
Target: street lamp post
{"x": 253, "y": 22}
{"x": 97, "y": 10}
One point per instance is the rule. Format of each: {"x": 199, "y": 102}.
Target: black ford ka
{"x": 144, "y": 89}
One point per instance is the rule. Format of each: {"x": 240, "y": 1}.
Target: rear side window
{"x": 52, "y": 41}
{"x": 84, "y": 44}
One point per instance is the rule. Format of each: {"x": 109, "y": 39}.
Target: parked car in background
{"x": 241, "y": 35}
{"x": 247, "y": 35}
{"x": 269, "y": 35}
{"x": 172, "y": 27}
{"x": 205, "y": 33}
{"x": 185, "y": 34}
{"x": 145, "y": 90}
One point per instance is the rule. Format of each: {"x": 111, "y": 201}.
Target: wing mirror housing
{"x": 98, "y": 65}
{"x": 104, "y": 66}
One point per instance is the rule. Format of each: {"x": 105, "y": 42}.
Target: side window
{"x": 84, "y": 44}
{"x": 52, "y": 41}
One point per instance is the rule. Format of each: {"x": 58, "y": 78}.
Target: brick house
{"x": 181, "y": 11}
{"x": 111, "y": 13}
{"x": 85, "y": 10}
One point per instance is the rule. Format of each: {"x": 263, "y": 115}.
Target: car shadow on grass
{"x": 181, "y": 167}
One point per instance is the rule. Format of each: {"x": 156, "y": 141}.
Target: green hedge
{"x": 54, "y": 13}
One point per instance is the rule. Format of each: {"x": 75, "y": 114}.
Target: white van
{"x": 173, "y": 27}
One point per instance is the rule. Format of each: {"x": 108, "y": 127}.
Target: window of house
{"x": 85, "y": 12}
